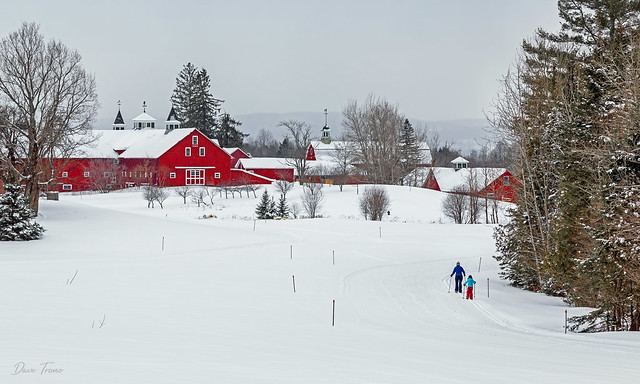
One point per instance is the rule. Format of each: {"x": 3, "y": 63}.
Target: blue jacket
{"x": 470, "y": 283}
{"x": 459, "y": 271}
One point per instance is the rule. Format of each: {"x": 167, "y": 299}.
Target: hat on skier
{"x": 458, "y": 263}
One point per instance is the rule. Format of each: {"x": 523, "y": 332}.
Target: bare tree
{"x": 374, "y": 202}
{"x": 296, "y": 154}
{"x": 160, "y": 195}
{"x": 184, "y": 192}
{"x": 342, "y": 155}
{"x": 374, "y": 129}
{"x": 104, "y": 175}
{"x": 198, "y": 196}
{"x": 454, "y": 205}
{"x": 283, "y": 187}
{"x": 312, "y": 199}
{"x": 54, "y": 100}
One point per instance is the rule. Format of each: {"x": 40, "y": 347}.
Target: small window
{"x": 172, "y": 175}
{"x": 216, "y": 175}
{"x": 201, "y": 151}
{"x": 106, "y": 175}
{"x": 66, "y": 187}
{"x": 187, "y": 151}
{"x": 65, "y": 174}
{"x": 505, "y": 180}
{"x": 86, "y": 174}
{"x": 194, "y": 140}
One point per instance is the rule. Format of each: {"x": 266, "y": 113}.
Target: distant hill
{"x": 464, "y": 134}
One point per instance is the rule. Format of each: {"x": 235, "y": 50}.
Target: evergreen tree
{"x": 266, "y": 208}
{"x": 194, "y": 102}
{"x": 409, "y": 151}
{"x": 282, "y": 210}
{"x": 571, "y": 111}
{"x": 16, "y": 222}
{"x": 227, "y": 132}
{"x": 284, "y": 148}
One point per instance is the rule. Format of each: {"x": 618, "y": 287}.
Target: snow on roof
{"x": 264, "y": 163}
{"x": 144, "y": 117}
{"x": 155, "y": 143}
{"x": 448, "y": 178}
{"x": 143, "y": 143}
{"x": 231, "y": 150}
{"x": 460, "y": 159}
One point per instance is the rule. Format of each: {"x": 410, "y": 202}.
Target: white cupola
{"x": 143, "y": 120}
{"x": 459, "y": 163}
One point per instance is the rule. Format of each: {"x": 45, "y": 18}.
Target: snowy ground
{"x": 98, "y": 300}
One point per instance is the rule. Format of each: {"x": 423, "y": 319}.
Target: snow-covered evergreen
{"x": 16, "y": 222}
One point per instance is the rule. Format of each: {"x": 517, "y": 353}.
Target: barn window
{"x": 505, "y": 180}
{"x": 66, "y": 187}
{"x": 106, "y": 175}
{"x": 86, "y": 174}
{"x": 172, "y": 175}
{"x": 201, "y": 151}
{"x": 187, "y": 151}
{"x": 216, "y": 175}
{"x": 65, "y": 174}
{"x": 194, "y": 141}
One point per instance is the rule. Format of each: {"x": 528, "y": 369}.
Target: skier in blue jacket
{"x": 459, "y": 272}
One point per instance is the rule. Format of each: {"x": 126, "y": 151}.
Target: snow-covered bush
{"x": 16, "y": 218}
{"x": 374, "y": 202}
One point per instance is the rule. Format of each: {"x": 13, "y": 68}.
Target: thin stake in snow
{"x": 254, "y": 225}
{"x": 333, "y": 316}
{"x": 487, "y": 287}
{"x": 480, "y": 263}
{"x": 380, "y": 230}
{"x": 333, "y": 257}
{"x": 291, "y": 251}
{"x": 163, "y": 243}
{"x": 294, "y": 283}
{"x": 565, "y": 322}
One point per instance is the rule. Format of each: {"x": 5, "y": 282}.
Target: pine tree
{"x": 194, "y": 102}
{"x": 16, "y": 222}
{"x": 282, "y": 210}
{"x": 266, "y": 208}
{"x": 572, "y": 112}
{"x": 409, "y": 152}
{"x": 227, "y": 132}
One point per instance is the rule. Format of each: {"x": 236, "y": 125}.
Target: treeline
{"x": 570, "y": 107}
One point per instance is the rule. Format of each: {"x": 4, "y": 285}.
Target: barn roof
{"x": 143, "y": 143}
{"x": 448, "y": 178}
{"x": 264, "y": 163}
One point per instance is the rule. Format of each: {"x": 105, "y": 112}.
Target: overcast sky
{"x": 436, "y": 60}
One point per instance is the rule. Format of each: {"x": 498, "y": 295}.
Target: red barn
{"x": 171, "y": 157}
{"x": 494, "y": 183}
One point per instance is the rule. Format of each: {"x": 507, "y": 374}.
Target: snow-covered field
{"x": 98, "y": 299}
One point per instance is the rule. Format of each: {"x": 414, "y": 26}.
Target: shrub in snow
{"x": 266, "y": 208}
{"x": 374, "y": 202}
{"x": 16, "y": 218}
{"x": 312, "y": 199}
{"x": 283, "y": 209}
